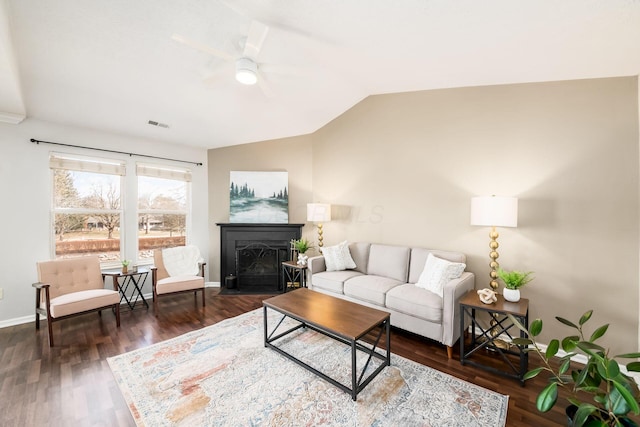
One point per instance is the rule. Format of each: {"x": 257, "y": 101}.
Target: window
{"x": 86, "y": 207}
{"x": 163, "y": 207}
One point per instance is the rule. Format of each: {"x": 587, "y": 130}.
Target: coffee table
{"x": 342, "y": 320}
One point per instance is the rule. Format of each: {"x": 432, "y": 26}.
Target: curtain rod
{"x": 37, "y": 141}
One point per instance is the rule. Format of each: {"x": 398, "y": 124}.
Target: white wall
{"x": 25, "y": 194}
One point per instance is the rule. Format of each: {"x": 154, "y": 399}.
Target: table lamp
{"x": 319, "y": 213}
{"x": 494, "y": 211}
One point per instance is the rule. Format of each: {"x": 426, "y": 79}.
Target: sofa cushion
{"x": 179, "y": 283}
{"x": 414, "y": 301}
{"x": 333, "y": 280}
{"x": 437, "y": 273}
{"x": 338, "y": 257}
{"x": 77, "y": 302}
{"x": 370, "y": 288}
{"x": 360, "y": 254}
{"x": 419, "y": 259}
{"x": 389, "y": 261}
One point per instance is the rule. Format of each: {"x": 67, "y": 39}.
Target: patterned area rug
{"x": 222, "y": 375}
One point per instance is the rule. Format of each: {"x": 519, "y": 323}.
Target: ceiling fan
{"x": 247, "y": 69}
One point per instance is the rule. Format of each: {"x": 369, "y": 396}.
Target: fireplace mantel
{"x": 235, "y": 236}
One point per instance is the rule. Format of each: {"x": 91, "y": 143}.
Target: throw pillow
{"x": 338, "y": 257}
{"x": 437, "y": 273}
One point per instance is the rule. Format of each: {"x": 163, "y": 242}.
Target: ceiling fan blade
{"x": 202, "y": 47}
{"x": 216, "y": 77}
{"x": 284, "y": 70}
{"x": 265, "y": 87}
{"x": 257, "y": 34}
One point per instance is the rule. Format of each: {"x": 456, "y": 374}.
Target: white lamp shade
{"x": 494, "y": 211}
{"x": 318, "y": 212}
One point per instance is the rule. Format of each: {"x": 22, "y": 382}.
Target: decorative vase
{"x": 512, "y": 295}
{"x": 302, "y": 259}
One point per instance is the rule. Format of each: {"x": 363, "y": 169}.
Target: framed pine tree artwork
{"x": 259, "y": 197}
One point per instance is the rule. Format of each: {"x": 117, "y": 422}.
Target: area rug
{"x": 222, "y": 375}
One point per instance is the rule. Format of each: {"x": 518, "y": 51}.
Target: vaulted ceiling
{"x": 116, "y": 65}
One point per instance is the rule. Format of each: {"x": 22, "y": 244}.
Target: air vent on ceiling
{"x": 162, "y": 125}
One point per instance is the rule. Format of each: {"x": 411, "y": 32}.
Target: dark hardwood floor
{"x": 71, "y": 384}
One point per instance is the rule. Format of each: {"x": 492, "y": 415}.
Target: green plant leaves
{"x": 583, "y": 412}
{"x": 536, "y": 327}
{"x": 628, "y": 399}
{"x": 532, "y": 373}
{"x": 608, "y": 369}
{"x": 633, "y": 366}
{"x": 522, "y": 341}
{"x": 569, "y": 343}
{"x": 599, "y": 332}
{"x": 585, "y": 317}
{"x": 552, "y": 348}
{"x": 567, "y": 322}
{"x": 547, "y": 398}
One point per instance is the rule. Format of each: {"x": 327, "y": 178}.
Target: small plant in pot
{"x": 301, "y": 246}
{"x": 125, "y": 266}
{"x": 513, "y": 281}
{"x": 615, "y": 394}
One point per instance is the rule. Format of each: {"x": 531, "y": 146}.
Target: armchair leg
{"x": 203, "y": 300}
{"x": 449, "y": 352}
{"x": 50, "y": 326}
{"x": 117, "y": 307}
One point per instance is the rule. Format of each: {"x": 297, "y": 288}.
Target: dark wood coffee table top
{"x": 343, "y": 318}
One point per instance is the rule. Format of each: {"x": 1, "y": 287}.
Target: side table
{"x": 293, "y": 274}
{"x": 134, "y": 277}
{"x": 515, "y": 359}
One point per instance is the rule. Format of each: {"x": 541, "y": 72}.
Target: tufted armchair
{"x": 72, "y": 287}
{"x": 177, "y": 270}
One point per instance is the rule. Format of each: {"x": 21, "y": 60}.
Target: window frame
{"x": 95, "y": 165}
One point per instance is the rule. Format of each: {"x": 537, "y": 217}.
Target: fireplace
{"x": 253, "y": 253}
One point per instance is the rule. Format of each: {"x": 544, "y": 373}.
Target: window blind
{"x": 87, "y": 164}
{"x": 156, "y": 171}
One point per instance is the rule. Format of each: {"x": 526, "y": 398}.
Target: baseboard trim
{"x": 32, "y": 317}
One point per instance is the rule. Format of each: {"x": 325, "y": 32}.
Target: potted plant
{"x": 301, "y": 246}
{"x": 513, "y": 281}
{"x": 125, "y": 266}
{"x": 615, "y": 394}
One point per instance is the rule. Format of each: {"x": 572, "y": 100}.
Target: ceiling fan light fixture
{"x": 246, "y": 71}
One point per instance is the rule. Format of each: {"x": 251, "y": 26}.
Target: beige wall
{"x": 292, "y": 155}
{"x": 402, "y": 168}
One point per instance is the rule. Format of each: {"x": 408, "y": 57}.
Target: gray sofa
{"x": 385, "y": 277}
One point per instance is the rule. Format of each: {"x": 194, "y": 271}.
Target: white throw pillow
{"x": 437, "y": 273}
{"x": 338, "y": 257}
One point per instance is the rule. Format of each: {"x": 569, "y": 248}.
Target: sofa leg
{"x": 449, "y": 352}
{"x": 203, "y": 301}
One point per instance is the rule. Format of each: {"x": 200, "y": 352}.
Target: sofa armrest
{"x": 316, "y": 264}
{"x": 453, "y": 291}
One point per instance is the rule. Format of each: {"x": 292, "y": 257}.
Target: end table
{"x": 134, "y": 276}
{"x": 293, "y": 274}
{"x": 489, "y": 338}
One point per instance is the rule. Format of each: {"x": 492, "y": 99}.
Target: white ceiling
{"x": 112, "y": 64}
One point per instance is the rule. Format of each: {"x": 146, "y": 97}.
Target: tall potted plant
{"x": 615, "y": 394}
{"x": 513, "y": 281}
